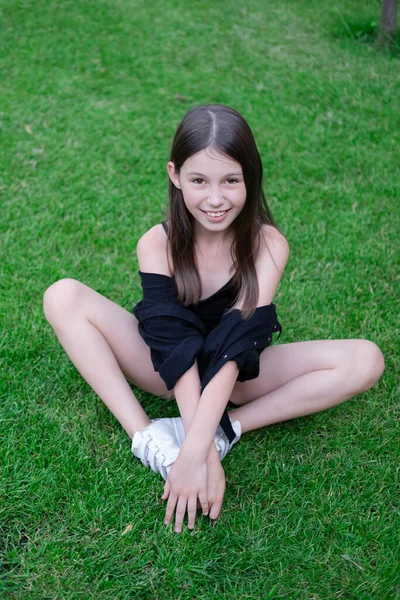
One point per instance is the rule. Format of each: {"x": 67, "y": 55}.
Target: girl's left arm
{"x": 208, "y": 413}
{"x": 270, "y": 264}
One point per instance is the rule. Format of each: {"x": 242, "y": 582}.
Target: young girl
{"x": 203, "y": 330}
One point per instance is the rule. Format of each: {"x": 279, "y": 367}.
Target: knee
{"x": 60, "y": 298}
{"x": 368, "y": 365}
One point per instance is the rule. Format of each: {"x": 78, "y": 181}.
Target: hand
{"x": 216, "y": 485}
{"x": 186, "y": 482}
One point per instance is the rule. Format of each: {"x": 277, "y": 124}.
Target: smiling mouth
{"x": 216, "y": 214}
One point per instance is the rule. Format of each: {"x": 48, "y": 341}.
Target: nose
{"x": 215, "y": 198}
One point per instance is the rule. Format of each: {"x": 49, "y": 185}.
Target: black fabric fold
{"x": 174, "y": 334}
{"x": 241, "y": 340}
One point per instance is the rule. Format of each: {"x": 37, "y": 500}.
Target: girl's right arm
{"x": 152, "y": 258}
{"x": 187, "y": 395}
{"x": 188, "y": 479}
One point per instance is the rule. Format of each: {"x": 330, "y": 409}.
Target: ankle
{"x": 139, "y": 425}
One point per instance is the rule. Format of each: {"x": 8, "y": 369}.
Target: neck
{"x": 212, "y": 240}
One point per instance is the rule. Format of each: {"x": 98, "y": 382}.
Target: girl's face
{"x": 213, "y": 188}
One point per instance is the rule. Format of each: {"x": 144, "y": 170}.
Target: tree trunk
{"x": 388, "y": 24}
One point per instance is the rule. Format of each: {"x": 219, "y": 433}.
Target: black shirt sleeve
{"x": 175, "y": 335}
{"x": 241, "y": 340}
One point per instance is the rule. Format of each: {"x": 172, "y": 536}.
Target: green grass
{"x": 91, "y": 94}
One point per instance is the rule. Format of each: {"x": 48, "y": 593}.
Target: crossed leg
{"x": 301, "y": 378}
{"x": 297, "y": 379}
{"x": 103, "y": 342}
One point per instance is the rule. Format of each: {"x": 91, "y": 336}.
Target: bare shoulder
{"x": 270, "y": 263}
{"x": 274, "y": 244}
{"x": 151, "y": 251}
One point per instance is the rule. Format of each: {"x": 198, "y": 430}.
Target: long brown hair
{"x": 223, "y": 129}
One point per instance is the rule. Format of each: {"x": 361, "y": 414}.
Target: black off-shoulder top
{"x": 178, "y": 335}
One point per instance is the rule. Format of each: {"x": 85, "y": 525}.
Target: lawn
{"x": 90, "y": 96}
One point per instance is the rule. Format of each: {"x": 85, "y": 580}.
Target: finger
{"x": 199, "y": 507}
{"x": 204, "y": 502}
{"x": 180, "y": 513}
{"x": 170, "y": 508}
{"x": 215, "y": 509}
{"x": 192, "y": 506}
{"x": 166, "y": 491}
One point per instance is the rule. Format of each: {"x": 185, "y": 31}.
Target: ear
{"x": 173, "y": 175}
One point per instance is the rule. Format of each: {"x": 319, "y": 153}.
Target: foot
{"x": 220, "y": 439}
{"x": 222, "y": 443}
{"x": 156, "y": 446}
{"x": 159, "y": 444}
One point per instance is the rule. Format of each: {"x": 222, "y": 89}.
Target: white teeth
{"x": 210, "y": 214}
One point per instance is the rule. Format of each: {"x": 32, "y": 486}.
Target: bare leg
{"x": 306, "y": 377}
{"x": 103, "y": 342}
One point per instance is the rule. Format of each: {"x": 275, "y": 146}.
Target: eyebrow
{"x": 228, "y": 175}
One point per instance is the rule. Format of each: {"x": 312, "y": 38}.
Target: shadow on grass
{"x": 363, "y": 31}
